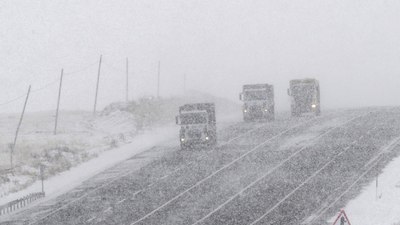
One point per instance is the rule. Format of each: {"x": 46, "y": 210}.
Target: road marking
{"x": 130, "y": 172}
{"x": 163, "y": 177}
{"x": 271, "y": 171}
{"x": 80, "y": 198}
{"x": 91, "y": 219}
{"x": 121, "y": 201}
{"x": 383, "y": 150}
{"x": 386, "y": 148}
{"x": 108, "y": 210}
{"x": 300, "y": 186}
{"x": 136, "y": 193}
{"x": 219, "y": 170}
{"x": 205, "y": 155}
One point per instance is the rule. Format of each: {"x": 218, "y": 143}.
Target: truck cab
{"x": 198, "y": 125}
{"x": 305, "y": 97}
{"x": 258, "y": 102}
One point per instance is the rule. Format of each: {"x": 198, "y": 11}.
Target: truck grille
{"x": 194, "y": 134}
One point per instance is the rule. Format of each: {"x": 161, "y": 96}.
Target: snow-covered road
{"x": 290, "y": 171}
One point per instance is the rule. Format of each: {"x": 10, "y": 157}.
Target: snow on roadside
{"x": 87, "y": 145}
{"x": 69, "y": 179}
{"x": 378, "y": 206}
{"x": 65, "y": 181}
{"x": 81, "y": 137}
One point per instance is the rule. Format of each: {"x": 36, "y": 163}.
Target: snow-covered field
{"x": 80, "y": 137}
{"x": 83, "y": 143}
{"x": 68, "y": 179}
{"x": 378, "y": 204}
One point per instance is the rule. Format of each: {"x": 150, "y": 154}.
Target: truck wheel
{"x": 318, "y": 112}
{"x": 272, "y": 114}
{"x": 183, "y": 146}
{"x": 214, "y": 141}
{"x": 294, "y": 112}
{"x": 271, "y": 117}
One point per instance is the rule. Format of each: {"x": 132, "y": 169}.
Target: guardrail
{"x": 20, "y": 203}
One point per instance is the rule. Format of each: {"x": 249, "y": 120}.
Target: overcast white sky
{"x": 351, "y": 46}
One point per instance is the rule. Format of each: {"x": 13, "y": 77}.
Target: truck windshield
{"x": 193, "y": 118}
{"x": 255, "y": 95}
{"x": 300, "y": 91}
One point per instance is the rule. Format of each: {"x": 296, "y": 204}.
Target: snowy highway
{"x": 290, "y": 171}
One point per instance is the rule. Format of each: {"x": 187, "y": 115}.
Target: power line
{"x": 33, "y": 91}
{"x": 82, "y": 69}
{"x": 13, "y": 100}
{"x": 48, "y": 84}
{"x": 116, "y": 68}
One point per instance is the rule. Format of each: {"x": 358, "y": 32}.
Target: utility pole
{"x": 158, "y": 79}
{"x": 376, "y": 188}
{"x": 16, "y": 133}
{"x": 184, "y": 84}
{"x": 58, "y": 101}
{"x": 127, "y": 80}
{"x": 97, "y": 87}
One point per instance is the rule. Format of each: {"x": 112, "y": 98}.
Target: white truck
{"x": 198, "y": 125}
{"x": 305, "y": 97}
{"x": 258, "y": 102}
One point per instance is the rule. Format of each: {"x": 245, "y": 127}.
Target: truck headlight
{"x": 313, "y": 105}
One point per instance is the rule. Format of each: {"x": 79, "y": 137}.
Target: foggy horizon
{"x": 351, "y": 47}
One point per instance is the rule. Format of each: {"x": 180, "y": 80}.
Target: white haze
{"x": 352, "y": 47}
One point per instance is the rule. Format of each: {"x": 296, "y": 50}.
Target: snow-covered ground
{"x": 379, "y": 202}
{"x": 80, "y": 138}
{"x": 71, "y": 178}
{"x": 378, "y": 206}
{"x": 86, "y": 145}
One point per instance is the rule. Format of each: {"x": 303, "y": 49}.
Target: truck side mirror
{"x": 288, "y": 92}
{"x": 177, "y": 120}
{"x": 241, "y": 96}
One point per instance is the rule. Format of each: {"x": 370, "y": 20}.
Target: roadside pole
{"x": 184, "y": 84}
{"x": 16, "y": 133}
{"x": 97, "y": 87}
{"x": 127, "y": 80}
{"x": 376, "y": 188}
{"x": 58, "y": 101}
{"x": 158, "y": 79}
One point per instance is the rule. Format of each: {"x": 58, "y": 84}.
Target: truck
{"x": 198, "y": 125}
{"x": 258, "y": 102}
{"x": 305, "y": 97}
